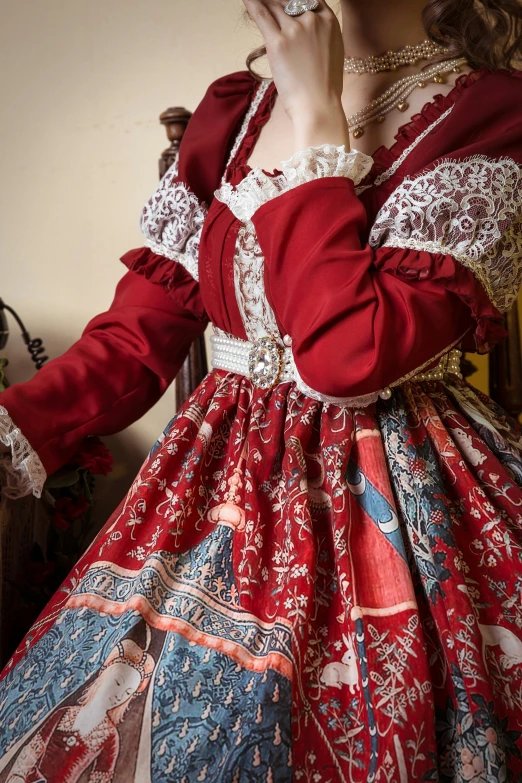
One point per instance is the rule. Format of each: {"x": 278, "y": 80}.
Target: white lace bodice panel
{"x": 257, "y": 315}
{"x": 470, "y": 209}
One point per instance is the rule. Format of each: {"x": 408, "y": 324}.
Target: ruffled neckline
{"x": 239, "y": 167}
{"x": 384, "y": 157}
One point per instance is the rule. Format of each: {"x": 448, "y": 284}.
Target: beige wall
{"x": 82, "y": 84}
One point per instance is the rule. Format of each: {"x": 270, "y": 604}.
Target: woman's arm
{"x": 122, "y": 364}
{"x": 364, "y": 315}
{"x": 361, "y": 318}
{"x": 129, "y": 355}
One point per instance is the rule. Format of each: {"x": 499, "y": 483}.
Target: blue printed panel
{"x": 179, "y": 586}
{"x": 63, "y": 660}
{"x": 216, "y": 721}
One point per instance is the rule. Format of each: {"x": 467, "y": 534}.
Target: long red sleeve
{"x": 356, "y": 324}
{"x": 128, "y": 356}
{"x": 122, "y": 364}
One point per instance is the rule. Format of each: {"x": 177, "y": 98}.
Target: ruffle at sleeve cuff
{"x": 258, "y": 187}
{"x": 459, "y": 280}
{"x": 178, "y": 283}
{"x": 21, "y": 472}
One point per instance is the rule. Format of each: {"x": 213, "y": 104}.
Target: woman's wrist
{"x": 321, "y": 125}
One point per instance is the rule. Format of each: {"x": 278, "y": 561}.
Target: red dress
{"x": 323, "y": 552}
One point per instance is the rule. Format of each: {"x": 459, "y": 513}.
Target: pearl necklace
{"x": 390, "y": 61}
{"x": 395, "y": 96}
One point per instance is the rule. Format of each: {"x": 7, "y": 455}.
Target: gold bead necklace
{"x": 395, "y": 96}
{"x": 390, "y": 61}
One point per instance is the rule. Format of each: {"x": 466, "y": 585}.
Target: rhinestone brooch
{"x": 265, "y": 362}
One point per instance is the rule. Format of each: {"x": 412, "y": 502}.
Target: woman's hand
{"x": 306, "y": 56}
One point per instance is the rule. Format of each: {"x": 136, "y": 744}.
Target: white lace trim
{"x": 258, "y": 317}
{"x": 343, "y": 402}
{"x": 257, "y": 188}
{"x": 252, "y": 110}
{"x": 172, "y": 222}
{"x": 21, "y": 472}
{"x": 400, "y": 160}
{"x": 371, "y": 397}
{"x": 470, "y": 209}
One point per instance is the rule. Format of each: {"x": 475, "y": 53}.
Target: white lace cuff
{"x": 257, "y": 188}
{"x": 21, "y": 472}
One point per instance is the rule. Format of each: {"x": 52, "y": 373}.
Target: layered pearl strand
{"x": 395, "y": 96}
{"x": 408, "y": 55}
{"x": 449, "y": 364}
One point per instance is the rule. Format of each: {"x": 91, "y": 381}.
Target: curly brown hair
{"x": 488, "y": 33}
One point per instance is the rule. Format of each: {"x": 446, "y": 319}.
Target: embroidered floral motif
{"x": 326, "y": 160}
{"x": 257, "y": 188}
{"x": 22, "y": 472}
{"x": 470, "y": 209}
{"x": 258, "y": 317}
{"x": 172, "y": 222}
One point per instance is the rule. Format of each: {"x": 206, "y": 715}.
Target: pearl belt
{"x": 264, "y": 361}
{"x": 267, "y": 361}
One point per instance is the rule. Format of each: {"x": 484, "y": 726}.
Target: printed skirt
{"x": 290, "y": 591}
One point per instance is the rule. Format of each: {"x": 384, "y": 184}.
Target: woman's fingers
{"x": 260, "y": 12}
{"x": 270, "y": 16}
{"x": 277, "y": 9}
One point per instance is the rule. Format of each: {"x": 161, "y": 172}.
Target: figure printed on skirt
{"x": 84, "y": 736}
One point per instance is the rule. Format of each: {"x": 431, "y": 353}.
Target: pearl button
{"x": 287, "y": 340}
{"x": 385, "y": 394}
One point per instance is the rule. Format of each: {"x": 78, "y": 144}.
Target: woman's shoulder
{"x": 509, "y": 79}
{"x": 224, "y": 103}
{"x": 226, "y": 92}
{"x": 478, "y": 119}
{"x": 236, "y": 81}
{"x": 498, "y": 91}
{"x": 492, "y": 92}
{"x": 492, "y": 113}
{"x": 211, "y": 131}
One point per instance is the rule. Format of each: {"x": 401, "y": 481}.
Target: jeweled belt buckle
{"x": 265, "y": 362}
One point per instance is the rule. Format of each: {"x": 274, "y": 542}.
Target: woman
{"x": 328, "y": 534}
{"x": 84, "y": 736}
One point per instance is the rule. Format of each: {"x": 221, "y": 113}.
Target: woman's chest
{"x": 232, "y": 270}
{"x": 275, "y": 140}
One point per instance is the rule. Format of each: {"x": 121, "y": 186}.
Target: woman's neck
{"x": 375, "y": 26}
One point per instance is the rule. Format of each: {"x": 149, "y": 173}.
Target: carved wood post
{"x": 195, "y": 366}
{"x": 505, "y": 368}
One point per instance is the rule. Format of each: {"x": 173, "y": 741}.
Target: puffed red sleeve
{"x": 128, "y": 356}
{"x": 354, "y": 329}
{"x": 363, "y": 314}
